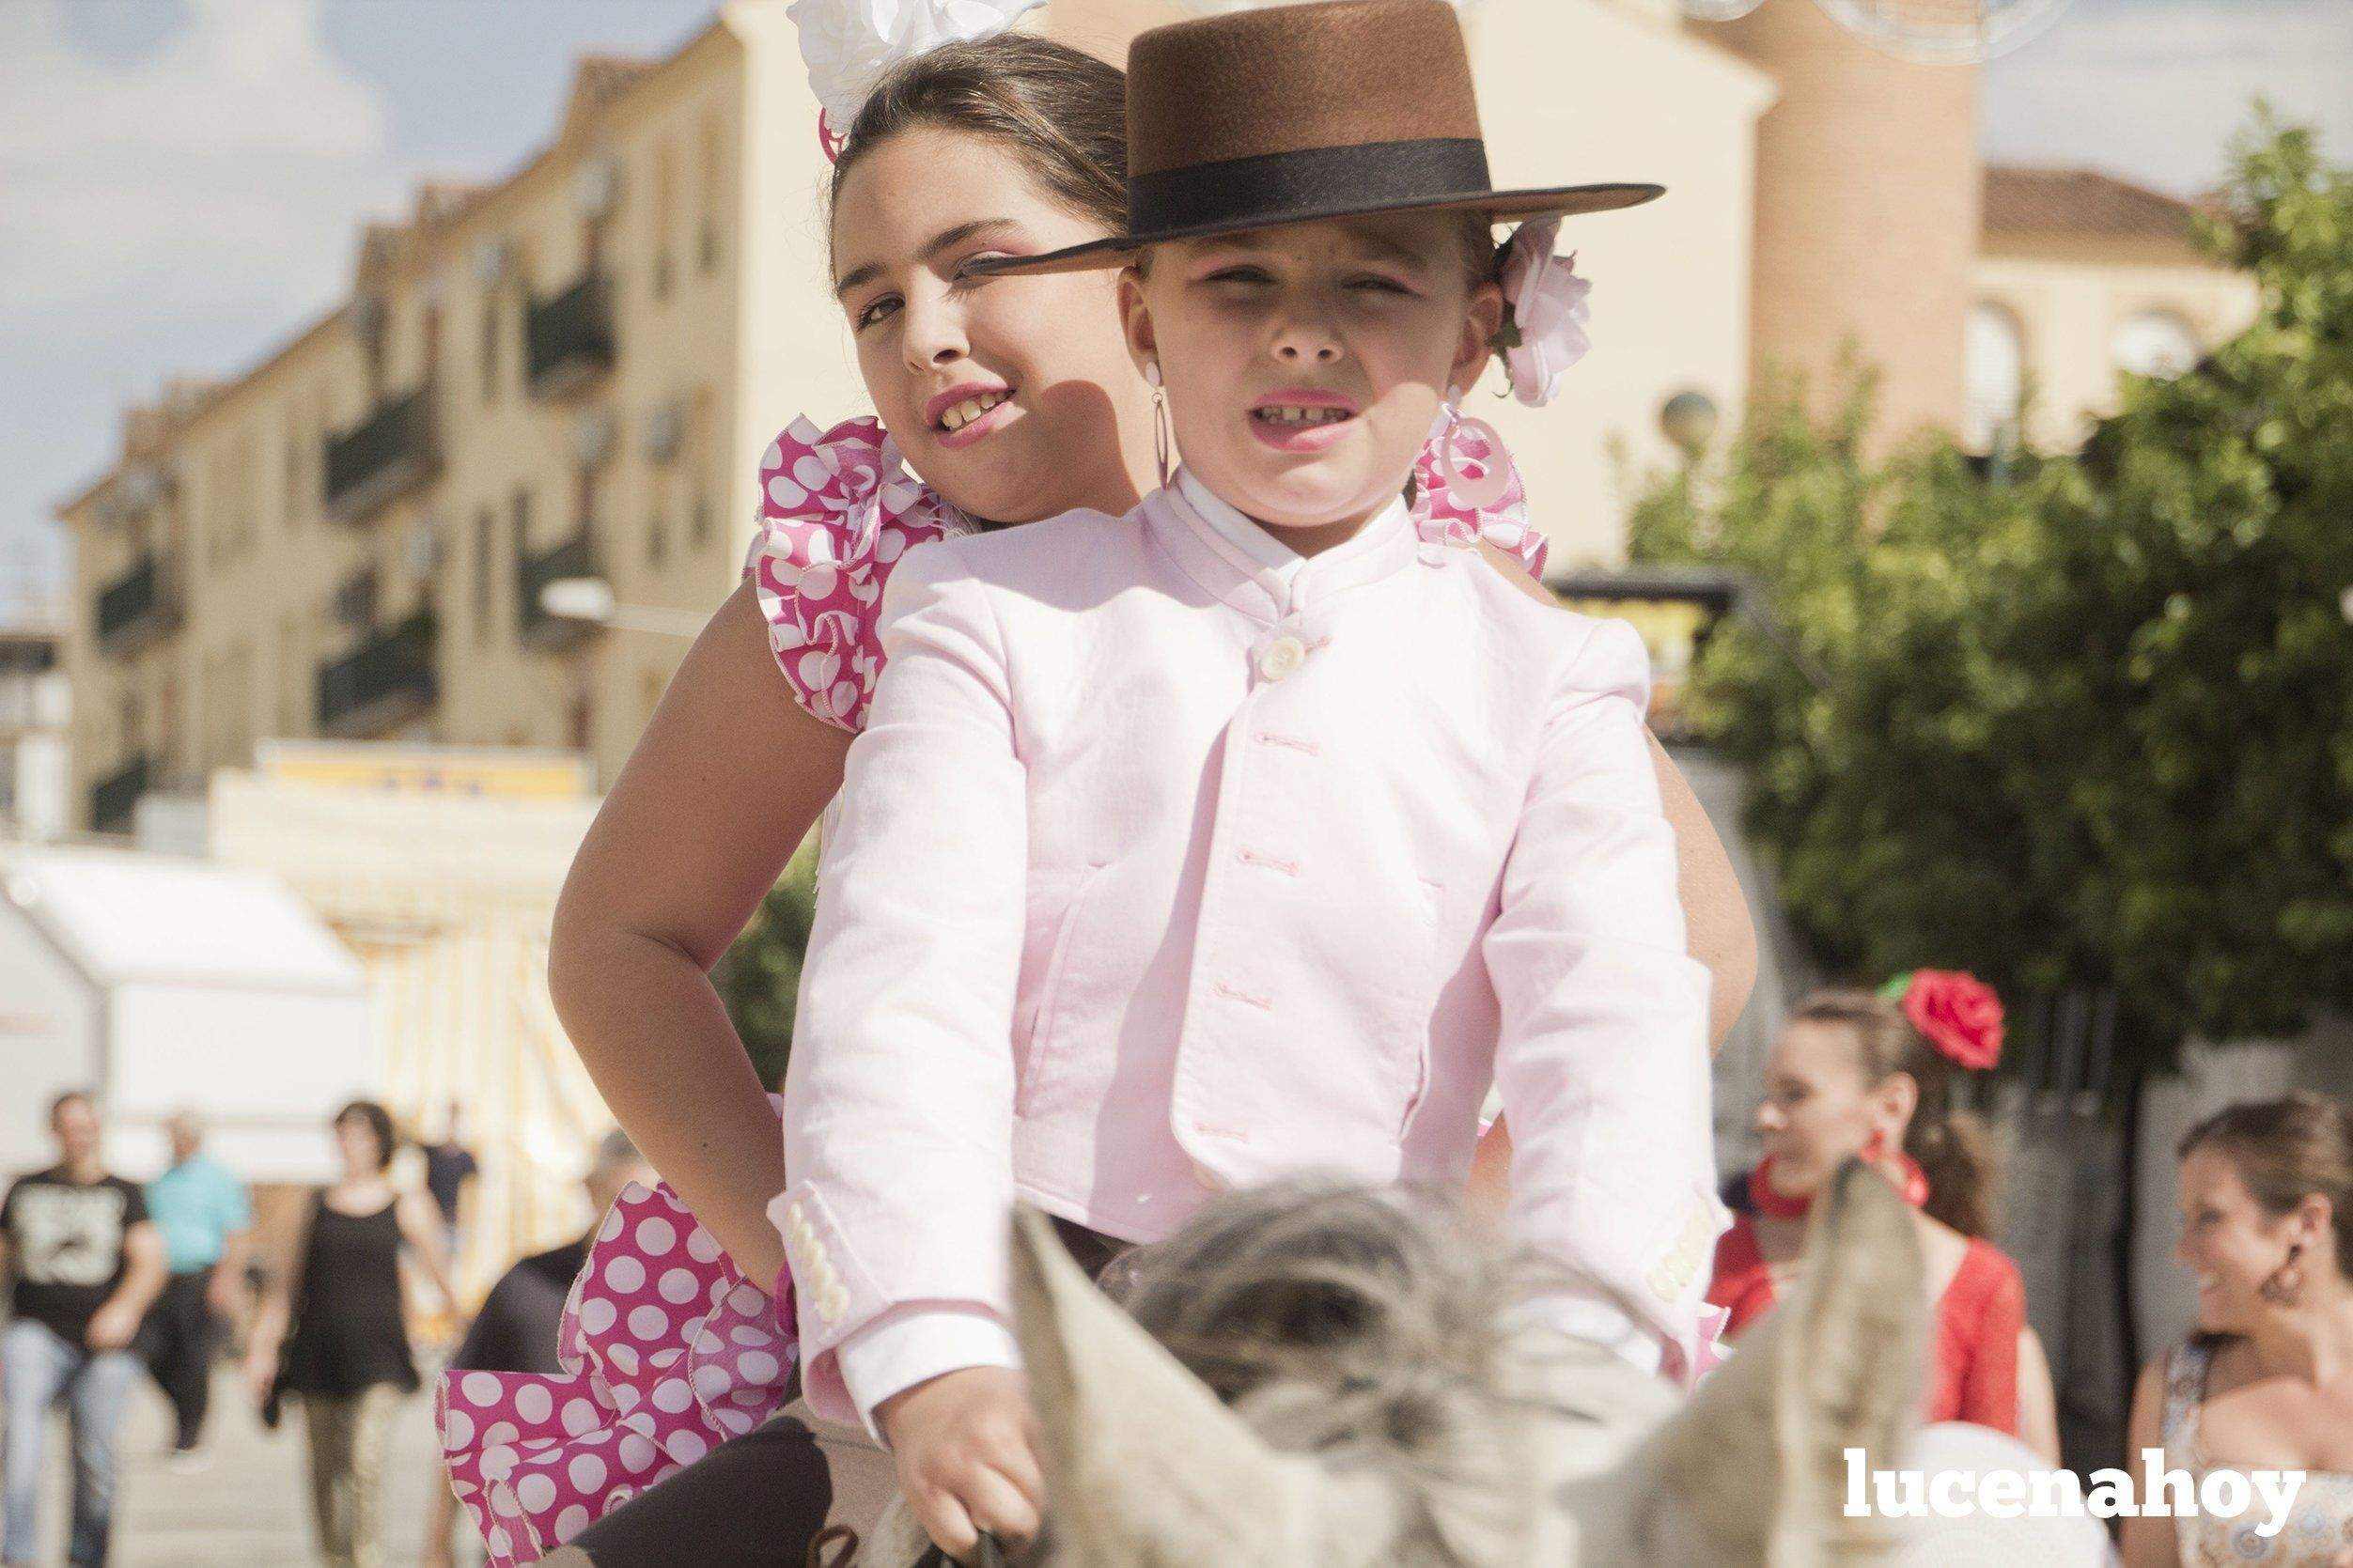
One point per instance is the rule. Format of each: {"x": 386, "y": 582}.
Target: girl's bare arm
{"x": 420, "y": 1227}
{"x": 723, "y": 785}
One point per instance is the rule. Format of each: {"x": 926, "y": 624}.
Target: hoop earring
{"x": 2285, "y": 1285}
{"x": 1159, "y": 419}
{"x": 1470, "y": 440}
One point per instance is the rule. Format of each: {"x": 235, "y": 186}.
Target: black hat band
{"x": 1378, "y": 174}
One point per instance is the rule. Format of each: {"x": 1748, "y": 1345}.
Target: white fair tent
{"x": 166, "y": 983}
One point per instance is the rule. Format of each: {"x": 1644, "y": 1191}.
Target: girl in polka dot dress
{"x": 736, "y": 765}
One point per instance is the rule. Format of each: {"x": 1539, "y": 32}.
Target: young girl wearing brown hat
{"x": 1248, "y": 832}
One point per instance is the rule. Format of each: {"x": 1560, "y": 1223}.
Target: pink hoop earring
{"x": 1472, "y": 441}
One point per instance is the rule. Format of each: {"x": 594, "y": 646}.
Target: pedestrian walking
{"x": 206, "y": 1220}
{"x": 86, "y": 1263}
{"x": 450, "y": 1169}
{"x": 331, "y": 1332}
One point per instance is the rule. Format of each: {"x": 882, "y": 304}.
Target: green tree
{"x": 2088, "y": 723}
{"x": 2188, "y": 584}
{"x": 758, "y": 978}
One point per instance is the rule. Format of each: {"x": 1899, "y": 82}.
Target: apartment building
{"x": 540, "y": 379}
{"x": 35, "y": 702}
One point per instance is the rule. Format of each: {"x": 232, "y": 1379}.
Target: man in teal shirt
{"x": 206, "y": 1223}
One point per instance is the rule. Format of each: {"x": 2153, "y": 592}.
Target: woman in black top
{"x": 331, "y": 1331}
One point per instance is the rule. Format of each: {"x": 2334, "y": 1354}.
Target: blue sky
{"x": 179, "y": 179}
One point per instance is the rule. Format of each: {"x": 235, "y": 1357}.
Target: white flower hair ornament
{"x": 1544, "y": 330}
{"x": 850, "y": 45}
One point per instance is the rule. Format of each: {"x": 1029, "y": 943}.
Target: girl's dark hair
{"x": 2286, "y": 1150}
{"x": 1061, "y": 112}
{"x": 1955, "y": 1147}
{"x": 379, "y": 1122}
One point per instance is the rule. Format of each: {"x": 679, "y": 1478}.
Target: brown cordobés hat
{"x": 1295, "y": 114}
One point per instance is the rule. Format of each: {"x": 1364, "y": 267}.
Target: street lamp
{"x": 1689, "y": 420}
{"x": 590, "y": 599}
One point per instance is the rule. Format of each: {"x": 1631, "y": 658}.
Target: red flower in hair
{"x": 1959, "y": 1013}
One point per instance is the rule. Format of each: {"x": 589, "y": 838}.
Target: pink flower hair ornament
{"x": 1545, "y": 312}
{"x": 1960, "y": 1015}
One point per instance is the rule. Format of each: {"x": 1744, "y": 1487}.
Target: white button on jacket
{"x": 1127, "y": 903}
{"x": 1283, "y": 657}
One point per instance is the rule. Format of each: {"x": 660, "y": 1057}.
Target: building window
{"x": 657, "y": 541}
{"x": 490, "y": 347}
{"x": 355, "y": 600}
{"x": 707, "y": 246}
{"x": 485, "y": 552}
{"x": 2157, "y": 344}
{"x": 665, "y": 216}
{"x": 521, "y": 546}
{"x": 1994, "y": 369}
{"x": 293, "y": 468}
{"x": 698, "y": 528}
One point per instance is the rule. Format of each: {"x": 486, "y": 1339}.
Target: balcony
{"x": 113, "y": 796}
{"x": 568, "y": 339}
{"x": 382, "y": 459}
{"x": 138, "y": 607}
{"x": 388, "y": 680}
{"x": 534, "y": 627}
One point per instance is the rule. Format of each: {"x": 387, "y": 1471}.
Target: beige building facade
{"x": 557, "y": 376}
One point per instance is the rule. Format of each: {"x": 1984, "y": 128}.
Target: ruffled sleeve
{"x": 1443, "y": 519}
{"x": 667, "y": 1352}
{"x": 837, "y": 511}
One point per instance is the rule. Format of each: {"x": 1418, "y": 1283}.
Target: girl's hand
{"x": 967, "y": 1451}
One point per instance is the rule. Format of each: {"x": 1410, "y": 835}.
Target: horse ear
{"x": 1144, "y": 1464}
{"x": 1755, "y": 1463}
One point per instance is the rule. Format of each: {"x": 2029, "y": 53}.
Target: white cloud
{"x": 2155, "y": 90}
{"x": 218, "y": 174}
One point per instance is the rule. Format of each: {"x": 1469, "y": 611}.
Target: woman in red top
{"x": 1857, "y": 1075}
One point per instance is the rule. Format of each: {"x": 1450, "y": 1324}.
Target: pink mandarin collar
{"x": 1384, "y": 546}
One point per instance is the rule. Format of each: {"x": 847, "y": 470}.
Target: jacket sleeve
{"x": 898, "y": 1099}
{"x": 1602, "y": 1054}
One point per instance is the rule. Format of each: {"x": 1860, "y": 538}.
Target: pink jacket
{"x": 1157, "y": 876}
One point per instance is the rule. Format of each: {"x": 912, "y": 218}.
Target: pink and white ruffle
{"x": 667, "y": 1352}
{"x": 1443, "y": 519}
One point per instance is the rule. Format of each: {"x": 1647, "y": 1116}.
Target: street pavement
{"x": 250, "y": 1507}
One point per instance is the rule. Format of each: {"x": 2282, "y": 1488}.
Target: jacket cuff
{"x": 1595, "y": 1317}
{"x": 904, "y": 1349}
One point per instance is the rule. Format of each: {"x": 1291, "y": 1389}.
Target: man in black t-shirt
{"x": 84, "y": 1263}
{"x": 515, "y": 1330}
